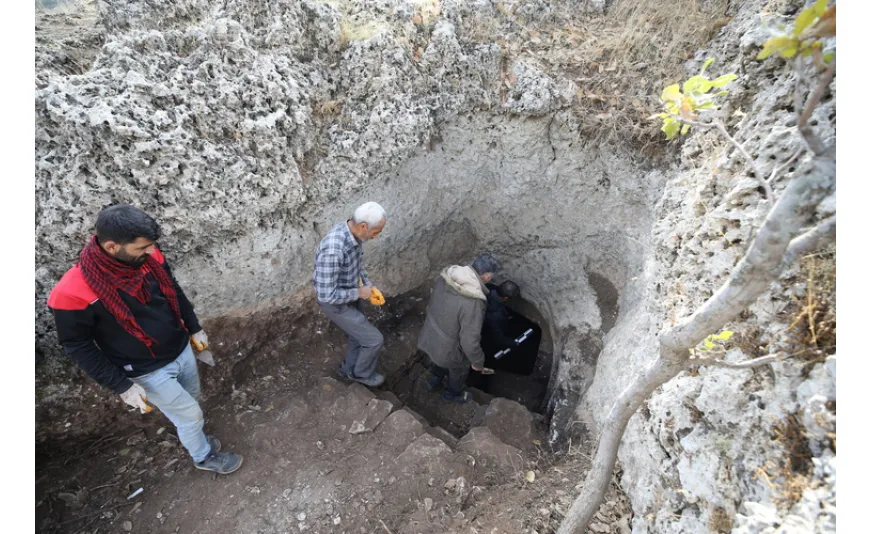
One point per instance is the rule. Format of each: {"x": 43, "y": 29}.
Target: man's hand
{"x": 199, "y": 340}
{"x": 365, "y": 292}
{"x": 483, "y": 370}
{"x": 136, "y": 397}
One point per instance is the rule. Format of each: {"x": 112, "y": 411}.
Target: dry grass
{"x": 356, "y": 31}
{"x": 749, "y": 342}
{"x": 812, "y": 332}
{"x": 812, "y": 337}
{"x": 792, "y": 474}
{"x": 720, "y": 521}
{"x": 638, "y": 55}
{"x": 620, "y": 60}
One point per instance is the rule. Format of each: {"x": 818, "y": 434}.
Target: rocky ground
{"x": 321, "y": 455}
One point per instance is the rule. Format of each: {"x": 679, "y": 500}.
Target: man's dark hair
{"x": 508, "y": 289}
{"x": 124, "y": 224}
{"x": 486, "y": 263}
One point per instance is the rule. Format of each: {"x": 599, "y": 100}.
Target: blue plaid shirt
{"x": 338, "y": 267}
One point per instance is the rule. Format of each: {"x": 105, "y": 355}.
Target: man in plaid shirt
{"x": 337, "y": 274}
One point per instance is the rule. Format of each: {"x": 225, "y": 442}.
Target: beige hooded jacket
{"x": 451, "y": 332}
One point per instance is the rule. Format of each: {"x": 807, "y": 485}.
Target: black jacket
{"x": 92, "y": 336}
{"x": 495, "y": 323}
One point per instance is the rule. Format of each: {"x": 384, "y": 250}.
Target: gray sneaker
{"x": 373, "y": 381}
{"x": 222, "y": 463}
{"x": 342, "y": 374}
{"x": 214, "y": 442}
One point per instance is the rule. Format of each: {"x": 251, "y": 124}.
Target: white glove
{"x": 136, "y": 397}
{"x": 199, "y": 340}
{"x": 484, "y": 370}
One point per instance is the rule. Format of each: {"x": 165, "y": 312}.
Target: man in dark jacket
{"x": 125, "y": 321}
{"x": 450, "y": 336}
{"x": 496, "y": 321}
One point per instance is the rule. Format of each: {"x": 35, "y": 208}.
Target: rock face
{"x": 707, "y": 451}
{"x": 249, "y": 128}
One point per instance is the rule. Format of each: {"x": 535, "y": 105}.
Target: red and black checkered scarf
{"x": 107, "y": 275}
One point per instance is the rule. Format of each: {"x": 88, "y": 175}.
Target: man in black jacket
{"x": 125, "y": 321}
{"x": 496, "y": 321}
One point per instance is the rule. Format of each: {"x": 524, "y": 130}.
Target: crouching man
{"x": 450, "y": 336}
{"x": 125, "y": 321}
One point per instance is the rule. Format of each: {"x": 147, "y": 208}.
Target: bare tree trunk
{"x": 756, "y": 270}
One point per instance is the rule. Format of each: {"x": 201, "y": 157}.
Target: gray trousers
{"x": 363, "y": 339}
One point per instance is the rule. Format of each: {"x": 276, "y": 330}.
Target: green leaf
{"x": 724, "y": 80}
{"x": 808, "y": 16}
{"x": 671, "y": 128}
{"x": 777, "y": 44}
{"x": 789, "y": 52}
{"x": 672, "y": 92}
{"x": 764, "y": 54}
{"x": 707, "y": 105}
{"x": 828, "y": 57}
{"x": 696, "y": 85}
{"x": 721, "y": 93}
{"x": 685, "y": 129}
{"x": 707, "y": 64}
{"x": 123, "y": 452}
{"x": 725, "y": 335}
{"x": 709, "y": 344}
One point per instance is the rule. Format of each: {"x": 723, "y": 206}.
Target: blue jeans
{"x": 174, "y": 389}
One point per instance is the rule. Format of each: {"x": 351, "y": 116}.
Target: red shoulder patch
{"x": 157, "y": 255}
{"x": 72, "y": 292}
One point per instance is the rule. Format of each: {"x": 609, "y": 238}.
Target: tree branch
{"x": 813, "y": 239}
{"x": 808, "y": 134}
{"x": 774, "y": 174}
{"x": 746, "y": 364}
{"x": 798, "y": 98}
{"x": 768, "y": 191}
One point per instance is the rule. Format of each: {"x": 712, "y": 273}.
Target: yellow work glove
{"x": 377, "y": 297}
